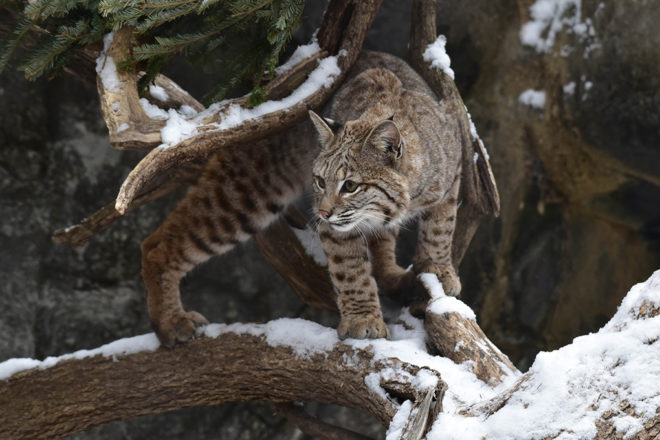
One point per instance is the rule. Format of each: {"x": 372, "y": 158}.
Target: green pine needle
{"x": 238, "y": 40}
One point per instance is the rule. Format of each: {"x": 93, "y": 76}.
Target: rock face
{"x": 579, "y": 178}
{"x": 578, "y": 173}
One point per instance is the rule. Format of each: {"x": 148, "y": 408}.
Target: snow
{"x": 177, "y": 128}
{"x": 399, "y": 421}
{"x": 301, "y": 52}
{"x": 153, "y": 111}
{"x": 322, "y": 76}
{"x": 372, "y": 381}
{"x": 312, "y": 244}
{"x": 533, "y": 98}
{"x": 570, "y": 388}
{"x": 440, "y": 303}
{"x": 122, "y": 127}
{"x": 121, "y": 347}
{"x": 569, "y": 89}
{"x": 187, "y": 111}
{"x": 158, "y": 92}
{"x": 475, "y": 136}
{"x": 305, "y": 338}
{"x": 473, "y": 128}
{"x": 436, "y": 54}
{"x": 183, "y": 124}
{"x": 106, "y": 68}
{"x": 549, "y": 17}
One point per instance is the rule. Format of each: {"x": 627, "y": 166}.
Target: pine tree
{"x": 241, "y": 39}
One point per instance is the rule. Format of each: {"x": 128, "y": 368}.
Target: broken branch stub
{"x": 129, "y": 127}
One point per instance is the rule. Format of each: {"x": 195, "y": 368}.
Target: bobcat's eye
{"x": 319, "y": 182}
{"x": 349, "y": 186}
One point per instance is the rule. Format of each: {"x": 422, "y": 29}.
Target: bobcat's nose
{"x": 324, "y": 214}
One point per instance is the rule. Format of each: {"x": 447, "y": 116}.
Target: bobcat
{"x": 382, "y": 161}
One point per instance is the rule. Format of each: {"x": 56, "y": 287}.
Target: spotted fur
{"x": 386, "y": 137}
{"x": 386, "y": 162}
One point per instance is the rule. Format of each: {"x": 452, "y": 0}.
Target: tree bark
{"x": 79, "y": 394}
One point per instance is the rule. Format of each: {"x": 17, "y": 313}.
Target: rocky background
{"x": 578, "y": 174}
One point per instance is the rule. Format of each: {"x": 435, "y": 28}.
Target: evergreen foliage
{"x": 239, "y": 39}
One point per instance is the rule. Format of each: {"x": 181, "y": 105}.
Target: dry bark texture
{"x": 85, "y": 393}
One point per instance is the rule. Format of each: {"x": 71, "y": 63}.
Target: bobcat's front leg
{"x": 436, "y": 232}
{"x": 357, "y": 293}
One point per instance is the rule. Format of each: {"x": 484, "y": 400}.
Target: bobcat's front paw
{"x": 450, "y": 282}
{"x": 177, "y": 327}
{"x": 446, "y": 275}
{"x": 363, "y": 327}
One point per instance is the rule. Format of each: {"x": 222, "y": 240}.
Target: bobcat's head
{"x": 356, "y": 175}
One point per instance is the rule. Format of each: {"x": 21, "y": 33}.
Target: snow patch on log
{"x": 571, "y": 388}
{"x": 106, "y": 68}
{"x": 440, "y": 303}
{"x": 306, "y": 338}
{"x": 120, "y": 347}
{"x": 303, "y": 51}
{"x": 175, "y": 131}
{"x": 399, "y": 421}
{"x": 158, "y": 92}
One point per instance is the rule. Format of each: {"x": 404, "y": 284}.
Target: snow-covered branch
{"x": 603, "y": 385}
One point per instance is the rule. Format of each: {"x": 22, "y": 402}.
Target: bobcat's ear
{"x": 325, "y": 127}
{"x": 387, "y": 138}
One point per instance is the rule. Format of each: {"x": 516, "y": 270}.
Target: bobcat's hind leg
{"x": 436, "y": 232}
{"x": 241, "y": 191}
